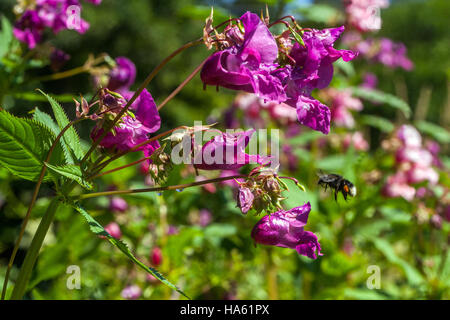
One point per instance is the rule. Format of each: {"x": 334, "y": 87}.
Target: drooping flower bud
{"x": 114, "y": 230}
{"x": 245, "y": 199}
{"x": 156, "y": 256}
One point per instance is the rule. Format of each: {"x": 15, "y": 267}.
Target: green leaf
{"x": 320, "y": 13}
{"x": 100, "y": 231}
{"x": 437, "y": 132}
{"x": 70, "y": 136}
{"x": 382, "y": 97}
{"x": 71, "y": 171}
{"x": 378, "y": 122}
{"x": 5, "y": 37}
{"x": 46, "y": 120}
{"x": 24, "y": 146}
{"x": 414, "y": 277}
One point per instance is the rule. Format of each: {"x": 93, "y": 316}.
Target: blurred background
{"x": 198, "y": 238}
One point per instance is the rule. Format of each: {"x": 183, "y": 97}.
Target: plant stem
{"x": 102, "y": 165}
{"x": 155, "y": 189}
{"x": 33, "y": 200}
{"x": 118, "y": 168}
{"x": 72, "y": 72}
{"x": 137, "y": 93}
{"x": 32, "y": 253}
{"x": 178, "y": 89}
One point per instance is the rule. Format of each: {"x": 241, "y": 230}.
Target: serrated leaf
{"x": 100, "y": 231}
{"x": 72, "y": 172}
{"x": 382, "y": 97}
{"x": 47, "y": 120}
{"x": 437, "y": 132}
{"x": 24, "y": 145}
{"x": 70, "y": 136}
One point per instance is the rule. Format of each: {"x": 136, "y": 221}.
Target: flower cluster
{"x": 414, "y": 163}
{"x": 133, "y": 128}
{"x": 364, "y": 14}
{"x": 279, "y": 69}
{"x": 383, "y": 50}
{"x": 57, "y": 15}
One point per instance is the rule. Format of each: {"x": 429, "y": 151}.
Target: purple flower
{"x": 245, "y": 199}
{"x": 227, "y": 152}
{"x": 204, "y": 217}
{"x": 252, "y": 67}
{"x": 28, "y": 28}
{"x": 122, "y": 76}
{"x": 117, "y": 204}
{"x": 172, "y": 230}
{"x": 132, "y": 131}
{"x": 385, "y": 51}
{"x": 285, "y": 229}
{"x": 370, "y": 81}
{"x": 131, "y": 292}
{"x": 314, "y": 70}
{"x": 55, "y": 14}
{"x": 57, "y": 59}
{"x": 96, "y": 2}
{"x": 313, "y": 114}
{"x": 248, "y": 67}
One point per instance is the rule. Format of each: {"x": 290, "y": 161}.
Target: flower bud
{"x": 156, "y": 256}
{"x": 245, "y": 199}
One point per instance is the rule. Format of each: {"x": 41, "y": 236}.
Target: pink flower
{"x": 205, "y": 217}
{"x": 414, "y": 155}
{"x": 114, "y": 230}
{"x": 362, "y": 14}
{"x": 131, "y": 292}
{"x": 156, "y": 256}
{"x": 409, "y": 136}
{"x": 342, "y": 102}
{"x": 117, "y": 204}
{"x": 419, "y": 173}
{"x": 397, "y": 186}
{"x": 357, "y": 140}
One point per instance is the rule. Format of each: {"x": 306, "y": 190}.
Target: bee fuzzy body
{"x": 338, "y": 184}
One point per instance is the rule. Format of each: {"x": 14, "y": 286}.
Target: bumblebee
{"x": 337, "y": 183}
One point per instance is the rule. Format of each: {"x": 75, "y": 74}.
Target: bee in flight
{"x": 337, "y": 183}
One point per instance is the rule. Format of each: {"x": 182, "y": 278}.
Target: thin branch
{"x": 155, "y": 189}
